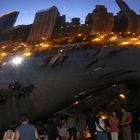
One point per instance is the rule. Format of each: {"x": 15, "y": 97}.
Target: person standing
{"x": 114, "y": 126}
{"x": 101, "y": 128}
{"x": 136, "y": 125}
{"x": 126, "y": 124}
{"x": 26, "y": 131}
{"x": 91, "y": 125}
{"x": 72, "y": 127}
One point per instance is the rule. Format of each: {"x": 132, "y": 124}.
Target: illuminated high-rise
{"x": 44, "y": 24}
{"x": 127, "y": 19}
{"x": 8, "y": 20}
{"x": 102, "y": 21}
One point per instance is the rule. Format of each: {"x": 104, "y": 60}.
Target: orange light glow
{"x": 122, "y": 96}
{"x": 134, "y": 39}
{"x": 96, "y": 39}
{"x": 113, "y": 38}
{"x": 27, "y": 54}
{"x": 45, "y": 45}
{"x": 125, "y": 43}
{"x": 3, "y": 54}
{"x": 79, "y": 35}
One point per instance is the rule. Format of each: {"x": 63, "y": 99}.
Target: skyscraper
{"x": 44, "y": 24}
{"x": 8, "y": 20}
{"x": 102, "y": 21}
{"x": 127, "y": 19}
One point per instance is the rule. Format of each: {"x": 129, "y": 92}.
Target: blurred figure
{"x": 52, "y": 130}
{"x": 71, "y": 123}
{"x": 100, "y": 127}
{"x": 9, "y": 135}
{"x": 26, "y": 131}
{"x": 114, "y": 126}
{"x": 63, "y": 131}
{"x": 126, "y": 124}
{"x": 81, "y": 126}
{"x": 91, "y": 125}
{"x": 136, "y": 125}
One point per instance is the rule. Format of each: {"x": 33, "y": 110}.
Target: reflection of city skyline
{"x": 71, "y": 9}
{"x": 51, "y": 24}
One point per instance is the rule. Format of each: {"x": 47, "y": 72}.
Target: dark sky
{"x": 72, "y": 8}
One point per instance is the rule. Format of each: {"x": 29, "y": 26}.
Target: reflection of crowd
{"x": 15, "y": 90}
{"x": 117, "y": 126}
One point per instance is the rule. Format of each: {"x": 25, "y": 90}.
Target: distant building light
{"x": 36, "y": 45}
{"x": 113, "y": 38}
{"x": 61, "y": 50}
{"x": 79, "y": 35}
{"x": 125, "y": 43}
{"x": 3, "y": 47}
{"x": 27, "y": 54}
{"x": 134, "y": 39}
{"x": 43, "y": 38}
{"x": 41, "y": 44}
{"x": 128, "y": 32}
{"x": 4, "y": 64}
{"x": 62, "y": 27}
{"x": 96, "y": 39}
{"x": 45, "y": 45}
{"x": 3, "y": 54}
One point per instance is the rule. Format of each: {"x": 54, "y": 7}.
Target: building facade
{"x": 102, "y": 21}
{"x": 8, "y": 20}
{"x": 127, "y": 19}
{"x": 44, "y": 24}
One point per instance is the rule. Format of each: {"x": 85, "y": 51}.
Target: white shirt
{"x": 101, "y": 123}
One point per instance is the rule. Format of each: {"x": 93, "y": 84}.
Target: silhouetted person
{"x": 72, "y": 127}
{"x": 26, "y": 131}
{"x": 126, "y": 124}
{"x": 52, "y": 129}
{"x": 136, "y": 125}
{"x": 91, "y": 125}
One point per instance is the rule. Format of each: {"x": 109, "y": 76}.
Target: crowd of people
{"x": 117, "y": 126}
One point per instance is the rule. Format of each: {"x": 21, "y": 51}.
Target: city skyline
{"x": 70, "y": 9}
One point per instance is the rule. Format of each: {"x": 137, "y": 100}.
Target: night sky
{"x": 72, "y": 8}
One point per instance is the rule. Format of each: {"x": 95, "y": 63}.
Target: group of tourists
{"x": 117, "y": 126}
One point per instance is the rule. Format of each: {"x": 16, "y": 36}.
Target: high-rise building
{"x": 62, "y": 21}
{"x": 19, "y": 32}
{"x": 102, "y": 21}
{"x": 75, "y": 21}
{"x": 127, "y": 19}
{"x": 89, "y": 19}
{"x": 44, "y": 24}
{"x": 8, "y": 20}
